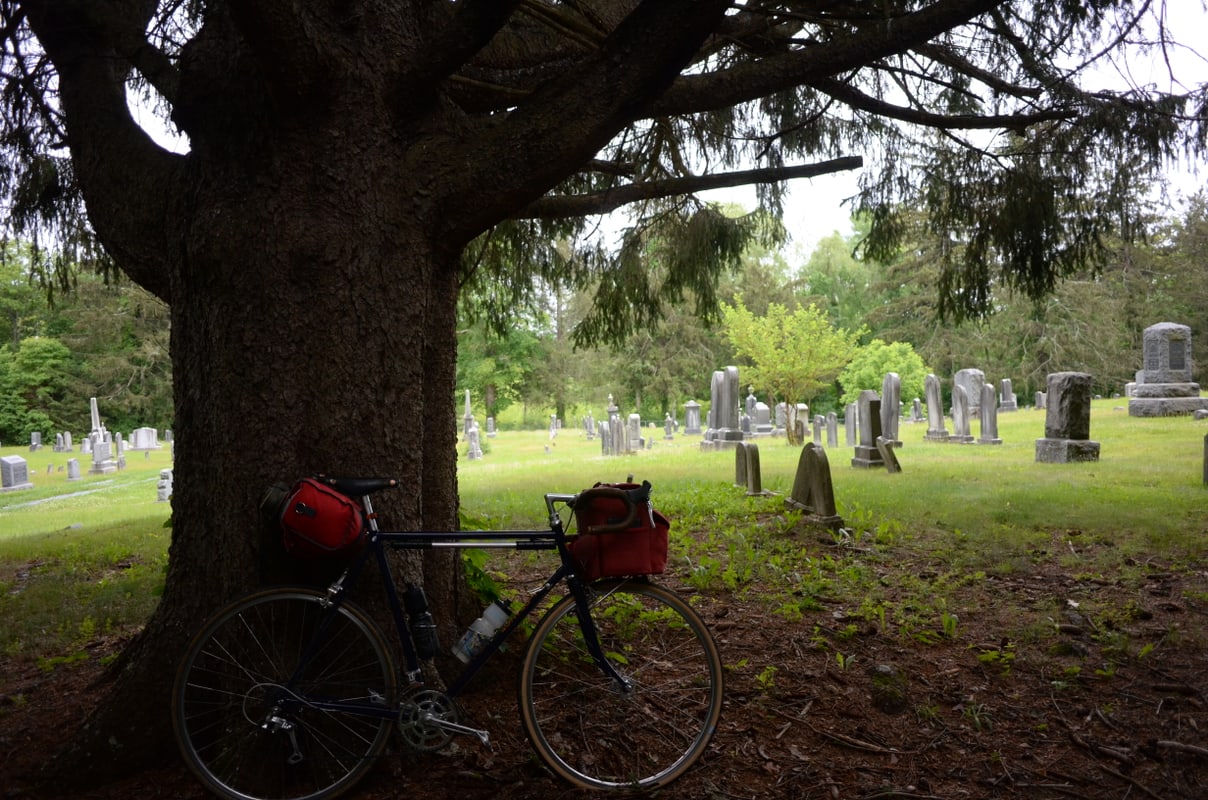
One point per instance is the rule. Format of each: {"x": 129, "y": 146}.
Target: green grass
{"x": 85, "y": 558}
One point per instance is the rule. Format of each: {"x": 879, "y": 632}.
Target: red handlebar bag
{"x": 640, "y": 549}
{"x": 317, "y": 521}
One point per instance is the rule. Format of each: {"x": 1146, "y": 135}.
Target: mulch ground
{"x": 830, "y": 707}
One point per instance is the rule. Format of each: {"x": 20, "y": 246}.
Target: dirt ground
{"x": 831, "y": 707}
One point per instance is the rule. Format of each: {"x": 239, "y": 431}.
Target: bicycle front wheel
{"x": 256, "y": 702}
{"x": 645, "y": 733}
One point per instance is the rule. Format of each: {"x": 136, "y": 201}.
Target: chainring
{"x": 414, "y": 720}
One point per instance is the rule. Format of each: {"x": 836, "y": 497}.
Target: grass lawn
{"x": 82, "y": 559}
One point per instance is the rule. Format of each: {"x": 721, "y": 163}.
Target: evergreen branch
{"x": 753, "y": 80}
{"x": 858, "y": 100}
{"x": 556, "y": 207}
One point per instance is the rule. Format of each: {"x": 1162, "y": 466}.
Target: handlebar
{"x": 632, "y": 498}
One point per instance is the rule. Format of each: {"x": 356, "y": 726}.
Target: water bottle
{"x": 482, "y": 630}
{"x": 423, "y": 627}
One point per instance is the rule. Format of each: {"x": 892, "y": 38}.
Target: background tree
{"x": 341, "y": 161}
{"x": 868, "y": 367}
{"x": 792, "y": 355}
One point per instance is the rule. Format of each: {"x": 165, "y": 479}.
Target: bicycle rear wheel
{"x": 248, "y": 713}
{"x": 598, "y": 735}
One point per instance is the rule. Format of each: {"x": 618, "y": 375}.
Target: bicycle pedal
{"x": 453, "y": 727}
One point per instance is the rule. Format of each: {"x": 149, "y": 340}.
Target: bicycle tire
{"x": 248, "y": 737}
{"x": 596, "y": 736}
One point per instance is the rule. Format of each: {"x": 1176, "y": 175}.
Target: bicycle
{"x": 293, "y": 692}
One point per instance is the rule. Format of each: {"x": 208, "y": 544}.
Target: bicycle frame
{"x": 552, "y": 538}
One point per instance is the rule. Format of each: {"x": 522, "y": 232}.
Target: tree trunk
{"x": 278, "y": 291}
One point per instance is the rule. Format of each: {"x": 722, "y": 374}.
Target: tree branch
{"x": 752, "y": 80}
{"x": 566, "y": 206}
{"x": 105, "y": 141}
{"x": 565, "y": 122}
{"x": 846, "y": 94}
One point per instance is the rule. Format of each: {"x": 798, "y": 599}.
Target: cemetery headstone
{"x": 891, "y": 402}
{"x": 754, "y": 475}
{"x": 916, "y": 411}
{"x": 473, "y": 443}
{"x": 1067, "y": 422}
{"x": 972, "y": 380}
{"x": 1006, "y": 397}
{"x": 819, "y": 422}
{"x": 14, "y": 474}
{"x": 813, "y": 492}
{"x": 762, "y": 424}
{"x": 960, "y": 416}
{"x": 490, "y": 427}
{"x": 1165, "y": 386}
{"x": 668, "y": 427}
{"x": 832, "y": 429}
{"x": 589, "y": 425}
{"x": 144, "y": 439}
{"x": 163, "y": 489}
{"x": 867, "y": 455}
{"x": 851, "y": 422}
{"x": 740, "y": 464}
{"x": 73, "y": 469}
{"x": 103, "y": 461}
{"x": 633, "y": 433}
{"x": 936, "y": 432}
{"x": 1041, "y": 400}
{"x": 725, "y": 427}
{"x": 989, "y": 417}
{"x": 888, "y": 451}
{"x": 692, "y": 418}
{"x": 467, "y": 419}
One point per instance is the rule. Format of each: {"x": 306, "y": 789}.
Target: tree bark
{"x": 276, "y": 292}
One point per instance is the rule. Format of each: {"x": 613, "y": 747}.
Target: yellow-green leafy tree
{"x": 791, "y": 354}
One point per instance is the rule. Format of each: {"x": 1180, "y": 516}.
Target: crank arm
{"x": 453, "y": 727}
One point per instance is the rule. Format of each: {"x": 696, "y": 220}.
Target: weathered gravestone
{"x": 724, "y": 425}
{"x": 936, "y": 432}
{"x": 746, "y": 468}
{"x": 473, "y": 443}
{"x": 692, "y": 418}
{"x": 163, "y": 489}
{"x": 887, "y": 450}
{"x": 988, "y": 415}
{"x": 867, "y": 455}
{"x": 1007, "y": 400}
{"x": 1067, "y": 421}
{"x": 960, "y": 416}
{"x": 1165, "y": 387}
{"x": 14, "y": 474}
{"x": 762, "y": 424}
{"x": 891, "y": 402}
{"x": 971, "y": 380}
{"x": 813, "y": 491}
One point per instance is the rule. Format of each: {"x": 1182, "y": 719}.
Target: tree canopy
{"x": 993, "y": 116}
{"x": 353, "y": 169}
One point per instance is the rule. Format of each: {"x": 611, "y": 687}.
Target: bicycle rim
{"x": 246, "y": 734}
{"x": 597, "y": 735}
